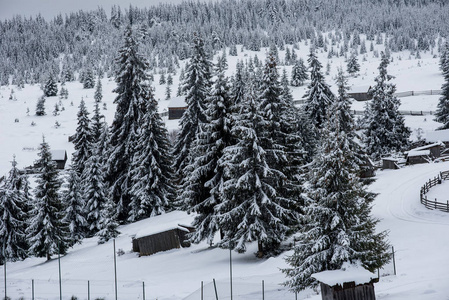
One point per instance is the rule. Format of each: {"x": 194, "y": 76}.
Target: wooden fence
{"x": 434, "y": 204}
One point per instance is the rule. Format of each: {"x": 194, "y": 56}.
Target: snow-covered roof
{"x": 428, "y": 146}
{"x": 359, "y": 89}
{"x": 172, "y": 220}
{"x": 348, "y": 273}
{"x": 177, "y": 102}
{"x": 437, "y": 135}
{"x": 58, "y": 154}
{"x": 414, "y": 153}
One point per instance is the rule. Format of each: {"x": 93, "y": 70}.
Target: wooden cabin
{"x": 360, "y": 93}
{"x": 424, "y": 154}
{"x": 60, "y": 157}
{"x": 349, "y": 283}
{"x": 171, "y": 238}
{"x": 176, "y": 108}
{"x": 390, "y": 163}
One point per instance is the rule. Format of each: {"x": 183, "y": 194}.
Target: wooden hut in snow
{"x": 349, "y": 283}
{"x": 59, "y": 157}
{"x": 360, "y": 93}
{"x": 163, "y": 233}
{"x": 176, "y": 107}
{"x": 424, "y": 154}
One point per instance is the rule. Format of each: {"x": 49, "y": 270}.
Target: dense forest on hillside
{"x": 31, "y": 48}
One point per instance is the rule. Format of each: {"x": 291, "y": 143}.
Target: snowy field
{"x": 419, "y": 236}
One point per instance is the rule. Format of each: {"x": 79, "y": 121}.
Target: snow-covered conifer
{"x": 196, "y": 84}
{"x": 98, "y": 91}
{"x": 318, "y": 95}
{"x": 151, "y": 176}
{"x": 203, "y": 187}
{"x": 124, "y": 134}
{"x": 337, "y": 223}
{"x": 74, "y": 209}
{"x": 47, "y": 234}
{"x": 442, "y": 113}
{"x": 82, "y": 141}
{"x": 14, "y": 216}
{"x": 386, "y": 131}
{"x": 40, "y": 106}
{"x": 353, "y": 65}
{"x": 299, "y": 73}
{"x": 88, "y": 79}
{"x": 51, "y": 87}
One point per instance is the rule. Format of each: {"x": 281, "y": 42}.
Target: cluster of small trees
{"x": 31, "y": 48}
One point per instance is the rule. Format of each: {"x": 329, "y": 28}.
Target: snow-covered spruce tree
{"x": 249, "y": 210}
{"x": 442, "y": 113}
{"x": 88, "y": 79}
{"x": 196, "y": 86}
{"x": 108, "y": 223}
{"x": 238, "y": 85}
{"x": 318, "y": 95}
{"x": 47, "y": 234}
{"x": 152, "y": 191}
{"x": 299, "y": 73}
{"x": 13, "y": 217}
{"x": 337, "y": 225}
{"x": 386, "y": 131}
{"x": 40, "y": 106}
{"x": 353, "y": 65}
{"x": 74, "y": 208}
{"x": 202, "y": 189}
{"x": 82, "y": 141}
{"x": 124, "y": 134}
{"x": 51, "y": 87}
{"x": 98, "y": 91}
{"x": 279, "y": 139}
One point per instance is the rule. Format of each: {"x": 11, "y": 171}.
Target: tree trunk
{"x": 260, "y": 249}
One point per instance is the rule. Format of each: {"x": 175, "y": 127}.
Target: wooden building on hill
{"x": 176, "y": 107}
{"x": 60, "y": 157}
{"x": 360, "y": 93}
{"x": 168, "y": 239}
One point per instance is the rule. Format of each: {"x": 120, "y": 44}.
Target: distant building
{"x": 360, "y": 93}
{"x": 60, "y": 157}
{"x": 176, "y": 107}
{"x": 424, "y": 154}
{"x": 168, "y": 239}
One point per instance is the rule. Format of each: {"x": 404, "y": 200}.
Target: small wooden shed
{"x": 360, "y": 93}
{"x": 350, "y": 283}
{"x": 390, "y": 163}
{"x": 424, "y": 154}
{"x": 176, "y": 107}
{"x": 171, "y": 238}
{"x": 60, "y": 157}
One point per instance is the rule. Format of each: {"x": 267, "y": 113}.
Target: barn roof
{"x": 177, "y": 102}
{"x": 359, "y": 89}
{"x": 414, "y": 153}
{"x": 58, "y": 154}
{"x": 168, "y": 221}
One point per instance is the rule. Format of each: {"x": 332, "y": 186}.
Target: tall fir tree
{"x": 318, "y": 95}
{"x": 152, "y": 191}
{"x": 249, "y": 211}
{"x": 40, "y": 106}
{"x": 82, "y": 141}
{"x": 74, "y": 215}
{"x": 98, "y": 95}
{"x": 196, "y": 85}
{"x": 124, "y": 134}
{"x": 299, "y": 73}
{"x": 337, "y": 223}
{"x": 51, "y": 87}
{"x": 353, "y": 65}
{"x": 386, "y": 131}
{"x": 108, "y": 223}
{"x": 202, "y": 189}
{"x": 47, "y": 234}
{"x": 442, "y": 113}
{"x": 13, "y": 222}
{"x": 88, "y": 79}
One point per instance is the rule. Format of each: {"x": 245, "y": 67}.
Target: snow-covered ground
{"x": 417, "y": 234}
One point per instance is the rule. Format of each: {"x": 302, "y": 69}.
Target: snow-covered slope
{"x": 417, "y": 234}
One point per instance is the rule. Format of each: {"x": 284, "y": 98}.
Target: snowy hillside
{"x": 416, "y": 233}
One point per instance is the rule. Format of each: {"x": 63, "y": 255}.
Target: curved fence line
{"x": 434, "y": 204}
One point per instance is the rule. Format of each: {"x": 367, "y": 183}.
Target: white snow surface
{"x": 419, "y": 236}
